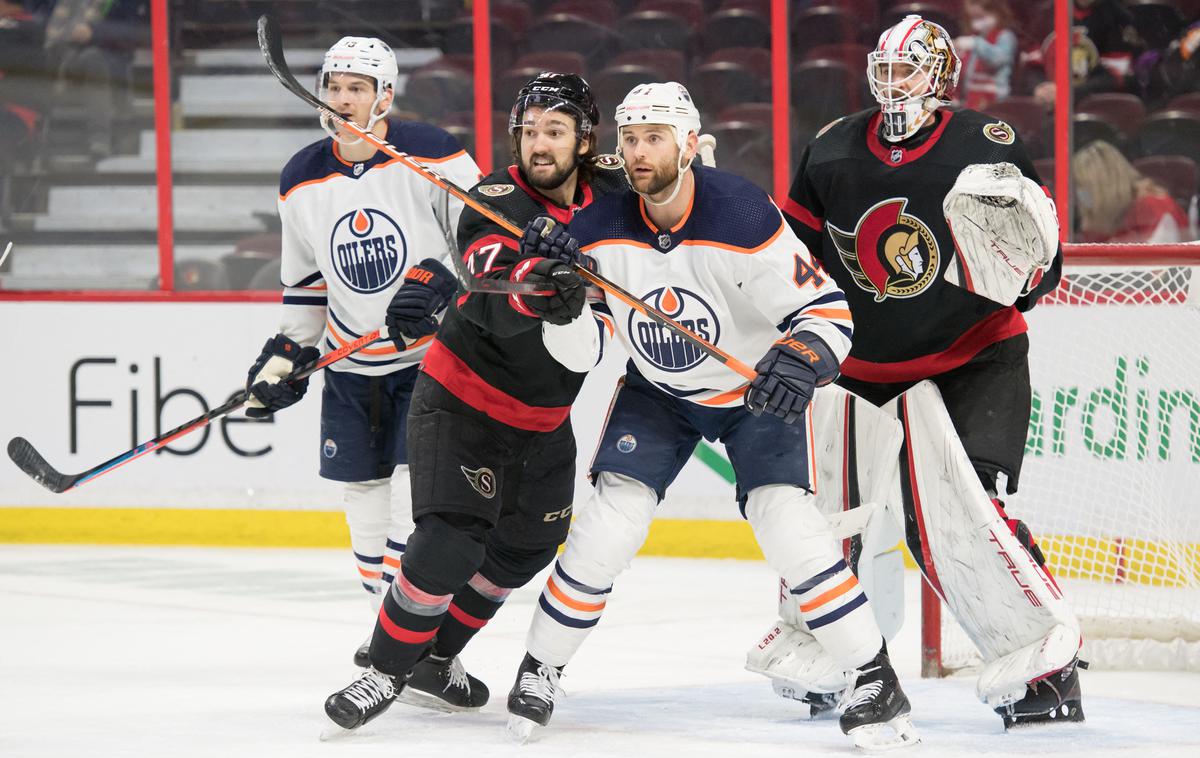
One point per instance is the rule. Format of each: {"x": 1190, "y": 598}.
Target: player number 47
{"x": 807, "y": 272}
{"x": 487, "y": 254}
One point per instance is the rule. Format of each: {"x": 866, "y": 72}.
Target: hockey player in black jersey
{"x": 491, "y": 450}
{"x": 867, "y": 200}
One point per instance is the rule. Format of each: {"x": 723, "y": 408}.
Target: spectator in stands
{"x": 1109, "y": 24}
{"x": 988, "y": 54}
{"x": 90, "y": 46}
{"x": 1164, "y": 74}
{"x": 21, "y": 87}
{"x": 1118, "y": 204}
{"x": 1088, "y": 77}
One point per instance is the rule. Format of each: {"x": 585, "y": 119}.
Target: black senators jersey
{"x": 489, "y": 350}
{"x": 872, "y": 212}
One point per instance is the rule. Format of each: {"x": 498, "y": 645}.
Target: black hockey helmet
{"x": 550, "y": 90}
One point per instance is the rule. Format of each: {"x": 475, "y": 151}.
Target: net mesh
{"x": 1111, "y": 479}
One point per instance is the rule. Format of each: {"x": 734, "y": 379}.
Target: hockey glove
{"x": 569, "y": 292}
{"x": 267, "y": 393}
{"x": 546, "y": 238}
{"x": 789, "y": 374}
{"x": 413, "y": 312}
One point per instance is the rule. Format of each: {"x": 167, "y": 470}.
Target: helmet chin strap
{"x": 371, "y": 121}
{"x": 683, "y": 167}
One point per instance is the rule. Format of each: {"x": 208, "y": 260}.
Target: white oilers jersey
{"x": 731, "y": 271}
{"x": 351, "y": 230}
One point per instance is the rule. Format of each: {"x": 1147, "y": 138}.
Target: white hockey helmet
{"x": 667, "y": 103}
{"x": 365, "y": 56}
{"x": 911, "y": 72}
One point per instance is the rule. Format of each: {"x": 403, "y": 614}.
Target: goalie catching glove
{"x": 1005, "y": 231}
{"x": 266, "y": 393}
{"x": 789, "y": 374}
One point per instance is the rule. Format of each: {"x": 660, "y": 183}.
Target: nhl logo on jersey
{"x": 496, "y": 190}
{"x": 358, "y": 169}
{"x": 482, "y": 480}
{"x": 368, "y": 250}
{"x": 664, "y": 240}
{"x": 1000, "y": 133}
{"x": 662, "y": 347}
{"x": 897, "y": 155}
{"x": 889, "y": 253}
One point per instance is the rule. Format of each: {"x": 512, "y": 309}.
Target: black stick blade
{"x": 29, "y": 460}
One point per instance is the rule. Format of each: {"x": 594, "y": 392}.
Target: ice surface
{"x": 179, "y": 652}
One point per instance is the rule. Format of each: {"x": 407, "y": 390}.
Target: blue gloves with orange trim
{"x": 789, "y": 374}
{"x": 412, "y": 314}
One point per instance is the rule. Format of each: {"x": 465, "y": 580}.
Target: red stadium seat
{"x": 668, "y": 65}
{"x": 603, "y": 12}
{"x": 1177, "y": 174}
{"x": 732, "y": 75}
{"x": 735, "y": 27}
{"x": 1122, "y": 110}
{"x": 824, "y": 25}
{"x": 1171, "y": 133}
{"x": 563, "y": 31}
{"x": 691, "y": 11}
{"x": 655, "y": 30}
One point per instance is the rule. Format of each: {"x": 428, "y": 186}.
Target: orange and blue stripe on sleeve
{"x": 830, "y": 308}
{"x": 829, "y": 596}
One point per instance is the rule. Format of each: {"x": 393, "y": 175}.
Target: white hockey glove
{"x": 1005, "y": 231}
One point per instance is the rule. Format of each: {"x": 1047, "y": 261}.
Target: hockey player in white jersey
{"x": 713, "y": 252}
{"x": 354, "y": 221}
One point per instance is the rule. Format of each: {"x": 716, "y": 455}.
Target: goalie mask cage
{"x": 1110, "y": 484}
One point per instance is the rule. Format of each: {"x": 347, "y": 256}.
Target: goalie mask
{"x": 911, "y": 73}
{"x": 666, "y": 103}
{"x": 364, "y": 56}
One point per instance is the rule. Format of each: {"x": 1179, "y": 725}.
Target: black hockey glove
{"x": 555, "y": 242}
{"x": 789, "y": 374}
{"x": 569, "y": 292}
{"x": 413, "y": 312}
{"x": 268, "y": 393}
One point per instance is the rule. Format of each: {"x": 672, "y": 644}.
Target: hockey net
{"x": 1111, "y": 478}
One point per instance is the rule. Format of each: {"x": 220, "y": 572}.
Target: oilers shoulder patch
{"x": 1000, "y": 133}
{"x": 609, "y": 160}
{"x": 496, "y": 190}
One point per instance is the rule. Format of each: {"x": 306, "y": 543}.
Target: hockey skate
{"x": 367, "y": 697}
{"x": 876, "y": 710}
{"x": 444, "y": 685}
{"x": 1054, "y": 699}
{"x": 817, "y": 705}
{"x": 531, "y": 700}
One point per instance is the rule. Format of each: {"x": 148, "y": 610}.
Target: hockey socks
{"x": 407, "y": 622}
{"x": 834, "y": 608}
{"x": 567, "y": 612}
{"x": 470, "y": 610}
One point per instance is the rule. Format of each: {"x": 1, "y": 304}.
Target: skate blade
{"x": 892, "y": 735}
{"x": 410, "y": 696}
{"x": 520, "y": 729}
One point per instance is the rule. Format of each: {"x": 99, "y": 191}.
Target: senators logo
{"x": 889, "y": 254}
{"x": 368, "y": 250}
{"x": 664, "y": 348}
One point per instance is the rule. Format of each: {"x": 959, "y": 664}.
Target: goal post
{"x": 1110, "y": 484}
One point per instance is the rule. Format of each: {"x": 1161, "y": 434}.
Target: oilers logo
{"x": 662, "y": 347}
{"x": 368, "y": 250}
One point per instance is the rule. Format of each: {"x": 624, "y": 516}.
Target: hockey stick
{"x": 4, "y": 257}
{"x": 271, "y": 43}
{"x": 29, "y": 460}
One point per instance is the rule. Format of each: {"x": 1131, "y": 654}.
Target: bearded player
{"x": 934, "y": 223}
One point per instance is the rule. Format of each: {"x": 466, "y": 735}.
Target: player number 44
{"x": 807, "y": 272}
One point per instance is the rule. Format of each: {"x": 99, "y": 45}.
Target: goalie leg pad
{"x": 1003, "y": 681}
{"x": 1002, "y": 597}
